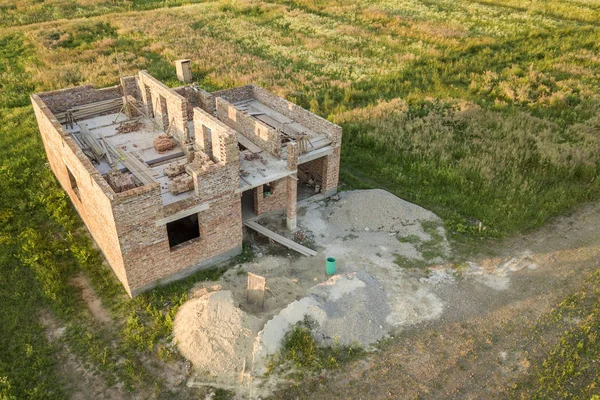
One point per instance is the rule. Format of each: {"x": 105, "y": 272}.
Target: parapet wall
{"x": 234, "y": 95}
{"x": 90, "y": 194}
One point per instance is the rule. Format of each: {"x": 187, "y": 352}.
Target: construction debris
{"x": 127, "y": 127}
{"x": 86, "y": 111}
{"x": 164, "y": 143}
{"x": 182, "y": 183}
{"x": 175, "y": 169}
{"x": 120, "y": 181}
{"x": 251, "y": 156}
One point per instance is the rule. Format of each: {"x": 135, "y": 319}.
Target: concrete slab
{"x": 258, "y": 169}
{"x": 140, "y": 142}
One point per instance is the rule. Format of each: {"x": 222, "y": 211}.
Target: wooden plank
{"x": 86, "y": 111}
{"x": 140, "y": 169}
{"x": 244, "y": 141}
{"x": 91, "y": 141}
{"x": 256, "y": 290}
{"x": 135, "y": 166}
{"x": 282, "y": 119}
{"x": 280, "y": 239}
{"x": 243, "y": 102}
{"x": 269, "y": 121}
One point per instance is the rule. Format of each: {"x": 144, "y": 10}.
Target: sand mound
{"x": 376, "y": 210}
{"x": 215, "y": 335}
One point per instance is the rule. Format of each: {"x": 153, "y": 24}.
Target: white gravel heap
{"x": 376, "y": 211}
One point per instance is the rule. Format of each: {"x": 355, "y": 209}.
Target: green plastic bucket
{"x": 330, "y": 266}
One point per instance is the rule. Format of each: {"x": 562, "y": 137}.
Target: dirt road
{"x": 481, "y": 344}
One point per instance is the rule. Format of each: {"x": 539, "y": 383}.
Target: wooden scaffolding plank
{"x": 132, "y": 163}
{"x": 92, "y": 142}
{"x": 280, "y": 239}
{"x": 244, "y": 141}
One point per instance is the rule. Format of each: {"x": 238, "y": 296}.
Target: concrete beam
{"x": 182, "y": 214}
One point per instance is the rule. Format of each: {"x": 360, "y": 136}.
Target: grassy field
{"x": 486, "y": 112}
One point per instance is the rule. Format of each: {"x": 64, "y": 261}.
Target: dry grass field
{"x": 485, "y": 111}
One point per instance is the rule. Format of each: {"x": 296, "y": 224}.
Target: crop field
{"x": 487, "y": 112}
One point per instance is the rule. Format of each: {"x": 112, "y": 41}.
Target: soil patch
{"x": 91, "y": 299}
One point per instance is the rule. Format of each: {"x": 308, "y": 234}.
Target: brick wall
{"x": 94, "y": 201}
{"x": 276, "y": 201}
{"x": 148, "y": 257}
{"x": 59, "y": 101}
{"x": 331, "y": 167}
{"x": 212, "y": 180}
{"x": 197, "y": 97}
{"x": 258, "y": 133}
{"x": 192, "y": 100}
{"x": 131, "y": 85}
{"x": 314, "y": 166}
{"x": 299, "y": 114}
{"x": 221, "y": 145}
{"x": 168, "y": 106}
{"x": 235, "y": 94}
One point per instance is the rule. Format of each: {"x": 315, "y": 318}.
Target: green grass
{"x": 34, "y": 11}
{"x": 485, "y": 112}
{"x": 566, "y": 364}
{"x": 431, "y": 250}
{"x": 42, "y": 246}
{"x": 300, "y": 354}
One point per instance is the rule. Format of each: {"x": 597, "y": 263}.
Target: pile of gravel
{"x": 376, "y": 211}
{"x": 347, "y": 309}
{"x": 356, "y": 317}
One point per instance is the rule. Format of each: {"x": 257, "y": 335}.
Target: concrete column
{"x": 292, "y": 202}
{"x": 292, "y": 186}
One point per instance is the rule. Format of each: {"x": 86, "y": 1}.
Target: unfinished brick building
{"x": 164, "y": 178}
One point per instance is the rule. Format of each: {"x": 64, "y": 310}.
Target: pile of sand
{"x": 216, "y": 336}
{"x": 225, "y": 342}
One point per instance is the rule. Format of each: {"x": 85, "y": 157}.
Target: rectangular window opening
{"x": 183, "y": 230}
{"x": 73, "y": 182}
{"x": 267, "y": 190}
